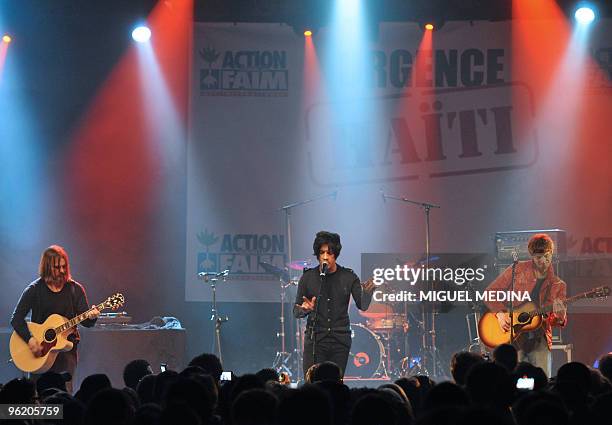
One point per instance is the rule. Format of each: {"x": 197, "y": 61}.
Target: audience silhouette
{"x": 481, "y": 392}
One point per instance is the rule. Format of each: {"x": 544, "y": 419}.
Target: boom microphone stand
{"x": 431, "y": 348}
{"x": 515, "y": 257}
{"x": 313, "y": 336}
{"x": 287, "y": 209}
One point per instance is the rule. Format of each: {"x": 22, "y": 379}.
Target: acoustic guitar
{"x": 527, "y": 318}
{"x": 53, "y": 335}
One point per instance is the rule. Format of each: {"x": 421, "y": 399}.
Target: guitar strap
{"x": 72, "y": 295}
{"x": 538, "y": 333}
{"x": 535, "y": 293}
{"x": 75, "y": 337}
{"x": 548, "y": 288}
{"x": 38, "y": 301}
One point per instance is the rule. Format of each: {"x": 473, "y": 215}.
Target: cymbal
{"x": 275, "y": 271}
{"x": 300, "y": 264}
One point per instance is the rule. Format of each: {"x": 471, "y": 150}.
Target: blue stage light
{"x": 141, "y": 34}
{"x": 584, "y": 15}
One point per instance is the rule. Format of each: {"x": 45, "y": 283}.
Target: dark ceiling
{"x": 314, "y": 11}
{"x": 305, "y": 12}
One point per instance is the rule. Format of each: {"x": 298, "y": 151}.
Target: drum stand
{"x": 386, "y": 361}
{"x": 413, "y": 366}
{"x": 472, "y": 319}
{"x": 475, "y": 346}
{"x": 382, "y": 371}
{"x": 212, "y": 278}
{"x": 282, "y": 359}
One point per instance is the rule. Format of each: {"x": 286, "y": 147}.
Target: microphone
{"x": 383, "y": 196}
{"x": 324, "y": 267}
{"x": 515, "y": 255}
{"x": 206, "y": 275}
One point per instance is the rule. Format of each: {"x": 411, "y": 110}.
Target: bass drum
{"x": 367, "y": 354}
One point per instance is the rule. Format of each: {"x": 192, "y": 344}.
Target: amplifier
{"x": 507, "y": 242}
{"x": 561, "y": 354}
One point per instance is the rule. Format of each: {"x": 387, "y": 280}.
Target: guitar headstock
{"x": 114, "y": 301}
{"x": 599, "y": 292}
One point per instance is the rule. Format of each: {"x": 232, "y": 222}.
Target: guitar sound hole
{"x": 49, "y": 335}
{"x": 523, "y": 317}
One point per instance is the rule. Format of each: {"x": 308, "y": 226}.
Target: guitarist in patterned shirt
{"x": 538, "y": 278}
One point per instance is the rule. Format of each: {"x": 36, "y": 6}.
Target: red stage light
{"x": 307, "y": 33}
{"x": 7, "y": 38}
{"x": 429, "y": 27}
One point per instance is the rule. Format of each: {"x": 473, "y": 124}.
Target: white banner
{"x": 461, "y": 133}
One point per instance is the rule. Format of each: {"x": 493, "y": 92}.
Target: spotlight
{"x": 141, "y": 34}
{"x": 584, "y": 15}
{"x": 431, "y": 24}
{"x": 304, "y": 29}
{"x": 7, "y": 38}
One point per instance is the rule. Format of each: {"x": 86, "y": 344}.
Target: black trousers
{"x": 328, "y": 348}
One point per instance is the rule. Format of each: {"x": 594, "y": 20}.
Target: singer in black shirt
{"x": 323, "y": 295}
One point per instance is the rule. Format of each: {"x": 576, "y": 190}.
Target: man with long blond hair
{"x": 536, "y": 276}
{"x": 54, "y": 292}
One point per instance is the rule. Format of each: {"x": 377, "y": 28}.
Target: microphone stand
{"x": 426, "y": 206}
{"x": 287, "y": 209}
{"x": 212, "y": 278}
{"x": 313, "y": 338}
{"x": 514, "y": 262}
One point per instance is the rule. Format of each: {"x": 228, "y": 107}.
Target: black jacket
{"x": 332, "y": 300}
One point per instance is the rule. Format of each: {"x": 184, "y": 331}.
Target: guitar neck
{"x": 76, "y": 320}
{"x": 547, "y": 309}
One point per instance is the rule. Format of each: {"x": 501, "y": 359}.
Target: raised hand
{"x": 308, "y": 305}
{"x": 368, "y": 286}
